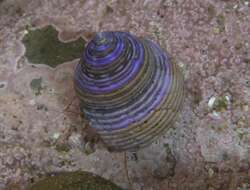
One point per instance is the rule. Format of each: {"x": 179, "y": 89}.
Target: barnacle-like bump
{"x": 130, "y": 91}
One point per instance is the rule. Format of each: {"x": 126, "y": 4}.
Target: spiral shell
{"x": 129, "y": 90}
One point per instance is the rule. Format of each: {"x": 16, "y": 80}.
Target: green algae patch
{"x": 211, "y": 11}
{"x": 221, "y": 22}
{"x": 62, "y": 148}
{"x": 220, "y": 104}
{"x": 74, "y": 181}
{"x": 43, "y": 47}
{"x": 36, "y": 86}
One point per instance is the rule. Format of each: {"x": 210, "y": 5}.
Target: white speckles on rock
{"x": 211, "y": 102}
{"x": 210, "y": 172}
{"x": 214, "y": 146}
{"x": 56, "y": 135}
{"x": 25, "y": 32}
{"x": 32, "y": 102}
{"x": 235, "y": 6}
{"x": 215, "y": 115}
{"x": 227, "y": 98}
{"x": 76, "y": 141}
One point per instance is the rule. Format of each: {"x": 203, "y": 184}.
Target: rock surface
{"x": 210, "y": 142}
{"x": 74, "y": 181}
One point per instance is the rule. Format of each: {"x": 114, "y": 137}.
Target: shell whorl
{"x": 130, "y": 92}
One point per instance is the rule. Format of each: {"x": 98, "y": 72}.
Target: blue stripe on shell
{"x": 123, "y": 83}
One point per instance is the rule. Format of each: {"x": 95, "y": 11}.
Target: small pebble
{"x": 76, "y": 141}
{"x": 235, "y": 6}
{"x": 56, "y": 136}
{"x": 210, "y": 172}
{"x": 245, "y": 108}
{"x": 211, "y": 102}
{"x": 216, "y": 30}
{"x": 89, "y": 148}
{"x": 227, "y": 98}
{"x": 25, "y": 32}
{"x": 32, "y": 102}
{"x": 216, "y": 114}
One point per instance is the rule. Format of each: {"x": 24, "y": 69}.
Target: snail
{"x": 130, "y": 92}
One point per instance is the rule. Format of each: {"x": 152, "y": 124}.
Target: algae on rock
{"x": 43, "y": 47}
{"x": 74, "y": 181}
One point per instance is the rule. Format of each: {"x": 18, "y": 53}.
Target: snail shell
{"x": 129, "y": 90}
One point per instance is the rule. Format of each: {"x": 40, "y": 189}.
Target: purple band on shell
{"x": 98, "y": 75}
{"x": 106, "y": 85}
